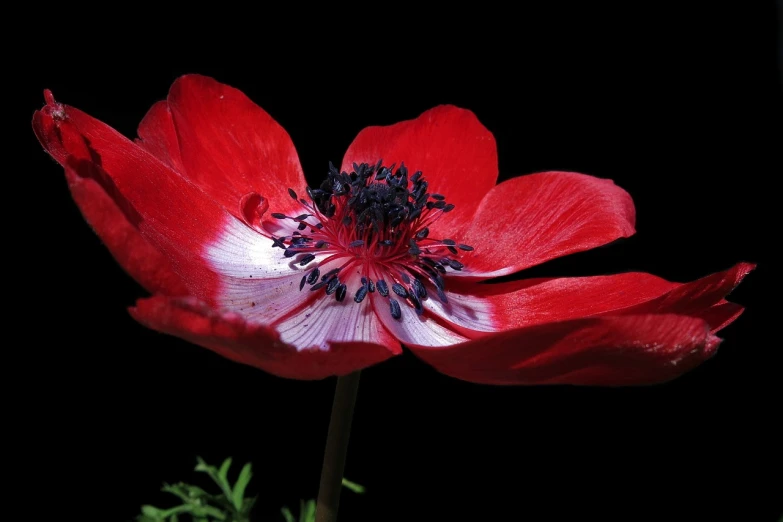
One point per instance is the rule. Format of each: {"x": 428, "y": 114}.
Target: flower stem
{"x": 336, "y": 448}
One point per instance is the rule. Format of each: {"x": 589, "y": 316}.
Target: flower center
{"x": 373, "y": 220}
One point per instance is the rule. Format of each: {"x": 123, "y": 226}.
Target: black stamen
{"x": 384, "y": 206}
{"x": 331, "y": 287}
{"x": 418, "y": 289}
{"x": 413, "y": 298}
{"x": 394, "y": 307}
{"x": 361, "y": 293}
{"x": 318, "y": 286}
{"x": 306, "y": 259}
{"x": 398, "y": 289}
{"x": 456, "y": 265}
{"x": 330, "y": 273}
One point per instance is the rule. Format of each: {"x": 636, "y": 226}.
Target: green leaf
{"x": 239, "y": 487}
{"x": 289, "y": 517}
{"x": 307, "y": 513}
{"x": 202, "y": 466}
{"x": 152, "y": 511}
{"x": 223, "y": 473}
{"x": 353, "y": 486}
{"x": 186, "y": 492}
{"x": 248, "y": 506}
{"x": 215, "y": 475}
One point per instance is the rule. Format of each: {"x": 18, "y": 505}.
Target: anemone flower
{"x": 209, "y": 210}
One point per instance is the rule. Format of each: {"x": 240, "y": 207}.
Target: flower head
{"x": 209, "y": 210}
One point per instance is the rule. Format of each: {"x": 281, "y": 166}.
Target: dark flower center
{"x": 375, "y": 220}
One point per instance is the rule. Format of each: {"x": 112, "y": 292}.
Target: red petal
{"x": 691, "y": 298}
{"x": 720, "y": 316}
{"x": 497, "y": 307}
{"x": 601, "y": 351}
{"x": 454, "y": 151}
{"x": 252, "y": 344}
{"x": 223, "y": 142}
{"x": 158, "y": 136}
{"x": 531, "y": 219}
{"x": 177, "y": 218}
{"x": 134, "y": 253}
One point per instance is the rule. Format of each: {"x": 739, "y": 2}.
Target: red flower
{"x": 209, "y": 210}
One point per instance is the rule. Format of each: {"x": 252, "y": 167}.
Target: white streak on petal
{"x": 256, "y": 280}
{"x": 467, "y": 311}
{"x": 241, "y": 252}
{"x": 412, "y": 329}
{"x": 327, "y": 319}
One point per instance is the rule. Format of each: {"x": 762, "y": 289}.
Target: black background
{"x": 681, "y": 108}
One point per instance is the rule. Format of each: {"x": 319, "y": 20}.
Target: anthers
{"x": 374, "y": 220}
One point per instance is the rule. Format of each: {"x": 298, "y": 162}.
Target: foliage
{"x": 229, "y": 505}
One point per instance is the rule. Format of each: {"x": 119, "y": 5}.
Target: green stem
{"x": 336, "y": 448}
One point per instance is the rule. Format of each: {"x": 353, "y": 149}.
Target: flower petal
{"x": 326, "y": 321}
{"x": 455, "y": 152}
{"x": 411, "y": 329}
{"x": 228, "y": 146}
{"x": 134, "y": 253}
{"x": 531, "y": 219}
{"x": 600, "y": 351}
{"x": 699, "y": 295}
{"x": 256, "y": 345}
{"x": 158, "y": 136}
{"x": 720, "y": 316}
{"x": 497, "y": 307}
{"x": 176, "y": 217}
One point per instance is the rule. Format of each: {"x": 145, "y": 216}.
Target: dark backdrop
{"x": 681, "y": 108}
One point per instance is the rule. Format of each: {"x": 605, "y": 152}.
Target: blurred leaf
{"x": 248, "y": 506}
{"x": 289, "y": 517}
{"x": 186, "y": 492}
{"x": 215, "y": 475}
{"x": 223, "y": 473}
{"x": 353, "y": 486}
{"x": 308, "y": 511}
{"x": 239, "y": 488}
{"x": 201, "y": 465}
